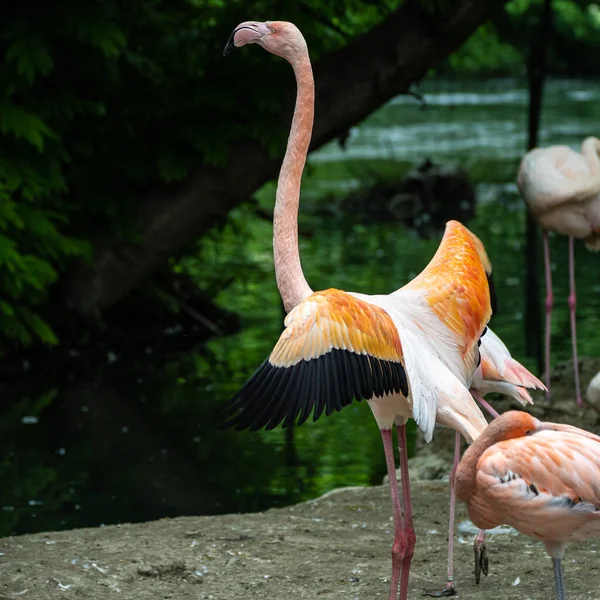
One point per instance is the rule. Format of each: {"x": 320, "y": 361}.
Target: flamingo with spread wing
{"x": 411, "y": 353}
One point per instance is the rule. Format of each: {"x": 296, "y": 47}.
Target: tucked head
{"x": 513, "y": 424}
{"x": 278, "y": 37}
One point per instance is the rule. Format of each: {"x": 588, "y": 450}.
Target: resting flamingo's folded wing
{"x": 335, "y": 348}
{"x": 558, "y": 468}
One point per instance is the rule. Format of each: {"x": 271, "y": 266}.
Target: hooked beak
{"x": 230, "y": 45}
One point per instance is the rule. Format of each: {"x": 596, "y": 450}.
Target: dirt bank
{"x": 335, "y": 548}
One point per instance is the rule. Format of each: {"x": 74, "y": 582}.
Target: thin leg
{"x": 450, "y": 589}
{"x": 493, "y": 413}
{"x": 398, "y": 546}
{"x": 481, "y": 557}
{"x": 559, "y": 582}
{"x": 549, "y": 304}
{"x": 408, "y": 530}
{"x": 572, "y": 305}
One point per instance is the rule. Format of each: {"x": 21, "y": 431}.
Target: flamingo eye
{"x": 272, "y": 29}
{"x": 529, "y": 432}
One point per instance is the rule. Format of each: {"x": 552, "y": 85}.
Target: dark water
{"x": 135, "y": 440}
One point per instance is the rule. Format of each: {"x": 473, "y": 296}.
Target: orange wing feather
{"x": 335, "y": 348}
{"x": 458, "y": 285}
{"x": 335, "y": 319}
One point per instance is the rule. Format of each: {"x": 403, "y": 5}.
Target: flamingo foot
{"x": 481, "y": 559}
{"x": 448, "y": 590}
{"x": 402, "y": 553}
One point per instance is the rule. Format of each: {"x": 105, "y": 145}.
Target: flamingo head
{"x": 513, "y": 424}
{"x": 277, "y": 37}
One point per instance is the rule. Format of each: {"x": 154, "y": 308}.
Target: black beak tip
{"x": 229, "y": 46}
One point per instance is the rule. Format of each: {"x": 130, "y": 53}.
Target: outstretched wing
{"x": 458, "y": 286}
{"x": 335, "y": 348}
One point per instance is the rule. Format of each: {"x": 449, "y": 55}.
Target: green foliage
{"x": 485, "y": 53}
{"x": 503, "y": 47}
{"x": 102, "y": 101}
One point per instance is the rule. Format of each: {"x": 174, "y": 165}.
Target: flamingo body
{"x": 410, "y": 353}
{"x": 562, "y": 189}
{"x": 540, "y": 478}
{"x": 545, "y": 486}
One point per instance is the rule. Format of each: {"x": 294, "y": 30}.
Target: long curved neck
{"x": 291, "y": 282}
{"x": 466, "y": 474}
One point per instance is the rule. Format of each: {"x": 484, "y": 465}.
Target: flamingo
{"x": 411, "y": 353}
{"x": 498, "y": 372}
{"x": 540, "y": 478}
{"x": 562, "y": 189}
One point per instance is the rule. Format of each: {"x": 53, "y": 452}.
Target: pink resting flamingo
{"x": 562, "y": 189}
{"x": 500, "y": 373}
{"x": 411, "y": 353}
{"x": 540, "y": 478}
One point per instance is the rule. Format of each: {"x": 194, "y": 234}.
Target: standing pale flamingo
{"x": 540, "y": 478}
{"x": 500, "y": 373}
{"x": 562, "y": 190}
{"x": 409, "y": 354}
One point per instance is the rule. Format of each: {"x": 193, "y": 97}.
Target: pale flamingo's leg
{"x": 408, "y": 530}
{"x": 490, "y": 410}
{"x": 559, "y": 581}
{"x": 572, "y": 305}
{"x": 450, "y": 589}
{"x": 549, "y": 305}
{"x": 397, "y": 554}
{"x": 481, "y": 557}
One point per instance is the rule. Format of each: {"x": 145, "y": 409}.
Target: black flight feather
{"x": 275, "y": 395}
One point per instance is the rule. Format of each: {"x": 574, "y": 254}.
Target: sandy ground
{"x": 335, "y": 547}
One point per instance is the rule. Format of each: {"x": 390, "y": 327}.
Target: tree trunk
{"x": 350, "y": 84}
{"x": 537, "y": 76}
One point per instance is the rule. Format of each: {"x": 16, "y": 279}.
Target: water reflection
{"x": 134, "y": 440}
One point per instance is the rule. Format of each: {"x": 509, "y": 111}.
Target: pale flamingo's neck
{"x": 291, "y": 282}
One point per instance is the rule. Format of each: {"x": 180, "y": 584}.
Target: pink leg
{"x": 449, "y": 589}
{"x": 572, "y": 304}
{"x": 493, "y": 413}
{"x": 408, "y": 529}
{"x": 481, "y": 559}
{"x": 549, "y": 305}
{"x": 398, "y": 546}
